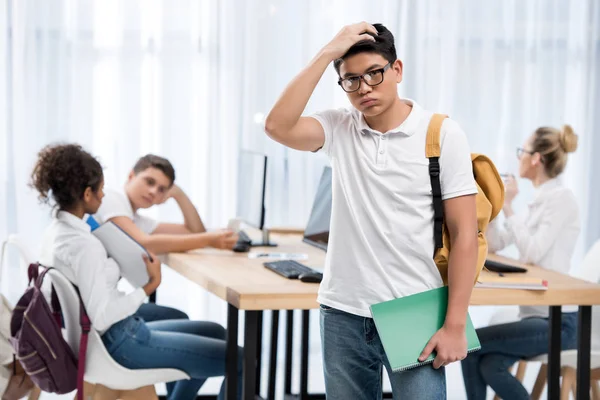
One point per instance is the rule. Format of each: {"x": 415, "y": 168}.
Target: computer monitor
{"x": 252, "y": 183}
{"x": 317, "y": 228}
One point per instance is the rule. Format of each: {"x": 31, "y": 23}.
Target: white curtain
{"x": 192, "y": 80}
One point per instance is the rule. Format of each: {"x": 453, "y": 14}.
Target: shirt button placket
{"x": 382, "y": 149}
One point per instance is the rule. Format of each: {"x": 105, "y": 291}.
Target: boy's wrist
{"x": 325, "y": 55}
{"x": 455, "y": 324}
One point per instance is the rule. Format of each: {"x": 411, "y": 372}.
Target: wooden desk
{"x": 247, "y": 285}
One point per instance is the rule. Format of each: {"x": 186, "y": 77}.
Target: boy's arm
{"x": 450, "y": 342}
{"x": 192, "y": 221}
{"x": 285, "y": 123}
{"x": 168, "y": 243}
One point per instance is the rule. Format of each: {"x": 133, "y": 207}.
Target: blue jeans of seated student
{"x": 353, "y": 357}
{"x": 196, "y": 347}
{"x": 150, "y": 312}
{"x": 505, "y": 344}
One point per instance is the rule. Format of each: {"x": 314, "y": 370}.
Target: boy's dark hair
{"x": 154, "y": 161}
{"x": 383, "y": 45}
{"x": 63, "y": 172}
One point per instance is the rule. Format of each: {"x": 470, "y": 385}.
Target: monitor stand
{"x": 265, "y": 242}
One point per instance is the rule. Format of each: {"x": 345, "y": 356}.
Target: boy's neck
{"x": 133, "y": 207}
{"x": 391, "y": 118}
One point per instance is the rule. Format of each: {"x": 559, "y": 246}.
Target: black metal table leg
{"x": 259, "y": 351}
{"x": 273, "y": 355}
{"x": 250, "y": 344}
{"x": 554, "y": 349}
{"x": 231, "y": 361}
{"x": 304, "y": 359}
{"x": 584, "y": 334}
{"x": 289, "y": 350}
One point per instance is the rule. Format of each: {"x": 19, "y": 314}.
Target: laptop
{"x": 317, "y": 228}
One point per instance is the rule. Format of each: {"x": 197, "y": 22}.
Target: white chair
{"x": 26, "y": 254}
{"x": 26, "y": 257}
{"x": 100, "y": 368}
{"x": 590, "y": 267}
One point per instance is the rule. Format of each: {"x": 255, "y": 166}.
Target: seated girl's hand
{"x": 154, "y": 273}
{"x": 512, "y": 189}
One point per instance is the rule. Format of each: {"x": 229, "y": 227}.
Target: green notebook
{"x": 405, "y": 325}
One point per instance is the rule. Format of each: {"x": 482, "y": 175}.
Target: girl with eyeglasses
{"x": 545, "y": 236}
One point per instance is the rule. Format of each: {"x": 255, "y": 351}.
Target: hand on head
{"x": 348, "y": 37}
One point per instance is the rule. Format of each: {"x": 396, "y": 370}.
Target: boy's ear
{"x": 131, "y": 175}
{"x": 398, "y": 68}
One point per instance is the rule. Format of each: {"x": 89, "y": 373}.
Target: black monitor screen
{"x": 252, "y": 169}
{"x": 317, "y": 229}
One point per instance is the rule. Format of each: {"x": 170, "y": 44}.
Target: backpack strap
{"x": 33, "y": 274}
{"x": 433, "y": 152}
{"x": 85, "y": 323}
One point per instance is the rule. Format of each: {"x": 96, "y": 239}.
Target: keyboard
{"x": 289, "y": 268}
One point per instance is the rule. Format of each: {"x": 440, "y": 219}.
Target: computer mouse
{"x": 241, "y": 247}
{"x": 311, "y": 277}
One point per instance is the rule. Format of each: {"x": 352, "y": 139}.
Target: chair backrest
{"x": 25, "y": 253}
{"x": 590, "y": 267}
{"x": 69, "y": 304}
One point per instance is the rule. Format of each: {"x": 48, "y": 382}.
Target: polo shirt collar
{"x": 73, "y": 221}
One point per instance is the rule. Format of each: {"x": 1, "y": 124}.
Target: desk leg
{"x": 289, "y": 350}
{"x": 554, "y": 349}
{"x": 584, "y": 331}
{"x": 250, "y": 344}
{"x": 304, "y": 359}
{"x": 259, "y": 352}
{"x": 231, "y": 361}
{"x": 273, "y": 355}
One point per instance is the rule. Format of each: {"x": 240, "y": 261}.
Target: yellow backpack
{"x": 489, "y": 198}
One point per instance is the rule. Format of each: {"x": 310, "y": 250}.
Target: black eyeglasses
{"x": 371, "y": 78}
{"x": 521, "y": 150}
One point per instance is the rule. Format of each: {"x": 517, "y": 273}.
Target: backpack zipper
{"x": 27, "y": 356}
{"x": 40, "y": 335}
{"x": 38, "y": 371}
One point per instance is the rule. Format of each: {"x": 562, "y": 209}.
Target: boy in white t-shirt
{"x": 150, "y": 183}
{"x": 381, "y": 241}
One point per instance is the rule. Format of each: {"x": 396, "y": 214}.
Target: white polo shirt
{"x": 116, "y": 204}
{"x": 381, "y": 236}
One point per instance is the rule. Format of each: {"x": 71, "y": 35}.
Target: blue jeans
{"x": 196, "y": 347}
{"x": 505, "y": 344}
{"x": 150, "y": 312}
{"x": 353, "y": 356}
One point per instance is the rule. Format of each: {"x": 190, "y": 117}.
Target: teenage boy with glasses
{"x": 381, "y": 241}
